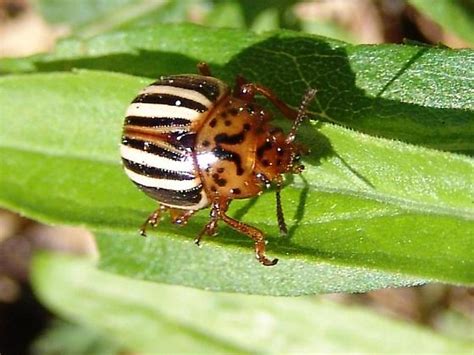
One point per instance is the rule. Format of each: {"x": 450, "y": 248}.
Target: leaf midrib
{"x": 406, "y": 205}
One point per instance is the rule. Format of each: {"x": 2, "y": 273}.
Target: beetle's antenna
{"x": 302, "y": 111}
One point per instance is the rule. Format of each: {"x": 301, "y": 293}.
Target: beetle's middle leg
{"x": 181, "y": 217}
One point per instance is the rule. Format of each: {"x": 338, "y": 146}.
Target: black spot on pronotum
{"x": 218, "y": 180}
{"x": 224, "y": 138}
{"x": 223, "y": 154}
{"x": 235, "y": 191}
{"x": 264, "y": 147}
{"x": 213, "y": 123}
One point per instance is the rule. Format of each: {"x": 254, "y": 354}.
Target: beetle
{"x": 190, "y": 142}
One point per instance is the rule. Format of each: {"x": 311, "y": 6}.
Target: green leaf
{"x": 420, "y": 95}
{"x": 149, "y": 318}
{"x": 366, "y": 213}
{"x": 453, "y": 15}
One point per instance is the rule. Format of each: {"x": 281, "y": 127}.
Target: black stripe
{"x": 153, "y": 149}
{"x": 178, "y": 198}
{"x": 205, "y": 85}
{"x": 182, "y": 140}
{"x": 157, "y": 172}
{"x": 157, "y": 122}
{"x": 170, "y": 100}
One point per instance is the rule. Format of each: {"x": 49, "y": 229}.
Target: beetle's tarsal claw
{"x": 267, "y": 262}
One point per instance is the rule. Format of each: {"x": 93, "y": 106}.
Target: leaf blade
{"x": 345, "y": 223}
{"x": 415, "y": 94}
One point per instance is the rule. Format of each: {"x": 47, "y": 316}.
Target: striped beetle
{"x": 189, "y": 142}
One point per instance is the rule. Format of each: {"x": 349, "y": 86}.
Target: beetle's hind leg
{"x": 152, "y": 220}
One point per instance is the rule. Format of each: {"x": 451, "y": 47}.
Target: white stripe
{"x": 162, "y": 129}
{"x": 201, "y": 204}
{"x": 156, "y": 161}
{"x": 184, "y": 93}
{"x": 159, "y": 110}
{"x": 162, "y": 183}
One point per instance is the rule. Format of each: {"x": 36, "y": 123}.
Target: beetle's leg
{"x": 181, "y": 217}
{"x": 203, "y": 69}
{"x": 250, "y": 231}
{"x": 247, "y": 91}
{"x": 280, "y": 215}
{"x": 152, "y": 220}
{"x": 210, "y": 228}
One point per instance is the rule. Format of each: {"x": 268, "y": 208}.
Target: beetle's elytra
{"x": 190, "y": 142}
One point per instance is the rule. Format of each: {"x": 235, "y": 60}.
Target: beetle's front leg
{"x": 247, "y": 91}
{"x": 254, "y": 233}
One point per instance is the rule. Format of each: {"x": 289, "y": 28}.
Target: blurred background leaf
{"x": 71, "y": 338}
{"x": 145, "y": 317}
{"x": 91, "y": 17}
{"x": 453, "y": 15}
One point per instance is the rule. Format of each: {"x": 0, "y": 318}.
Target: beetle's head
{"x": 279, "y": 153}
